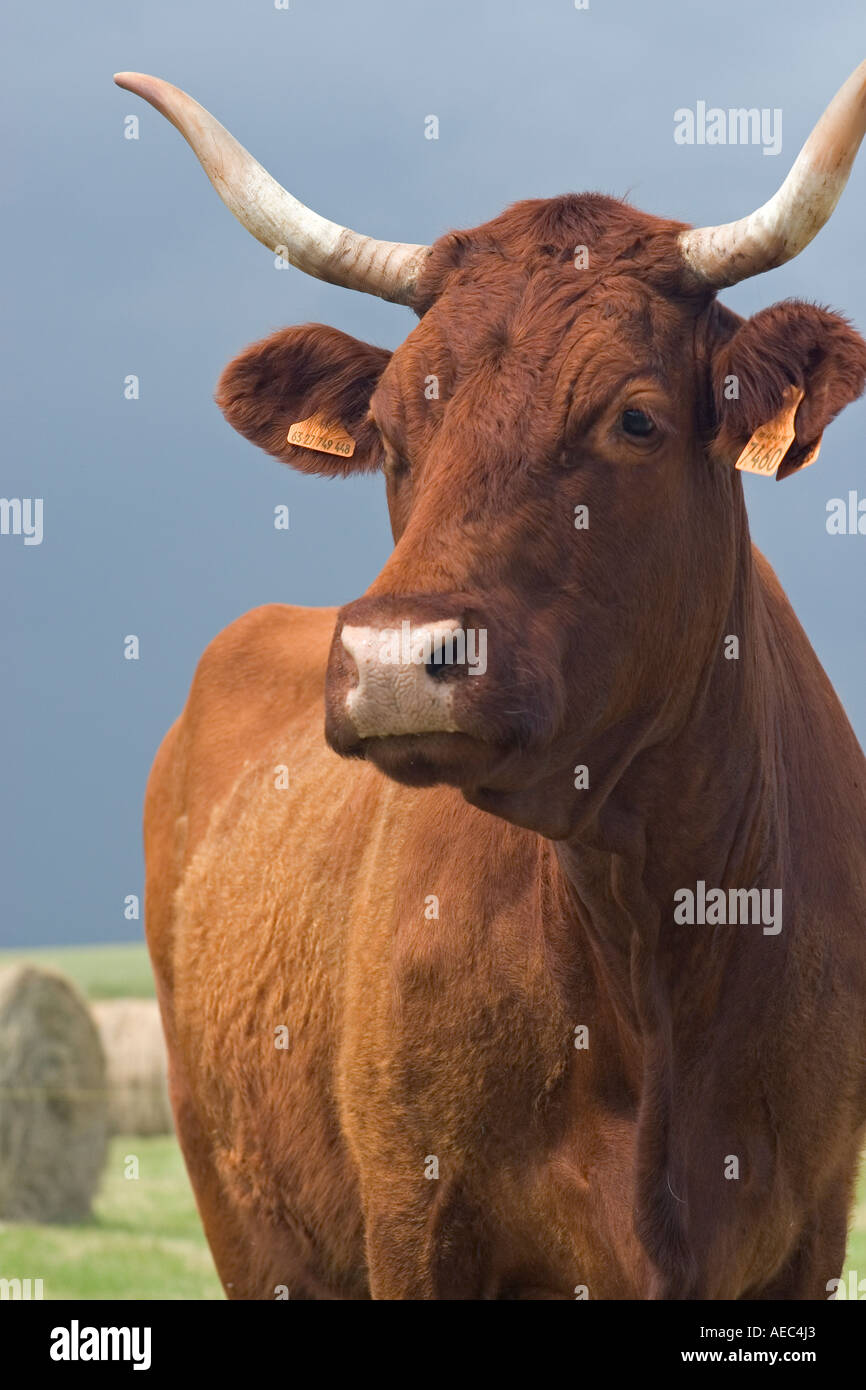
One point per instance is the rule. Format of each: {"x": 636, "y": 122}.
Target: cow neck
{"x": 701, "y": 803}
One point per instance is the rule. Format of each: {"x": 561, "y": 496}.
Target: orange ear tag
{"x": 771, "y": 442}
{"x": 317, "y": 433}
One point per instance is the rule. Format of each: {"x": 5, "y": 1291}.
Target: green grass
{"x": 145, "y": 1240}
{"x": 855, "y": 1257}
{"x": 101, "y": 972}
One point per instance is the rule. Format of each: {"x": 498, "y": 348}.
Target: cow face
{"x": 558, "y": 437}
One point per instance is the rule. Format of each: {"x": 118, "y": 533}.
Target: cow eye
{"x": 635, "y": 423}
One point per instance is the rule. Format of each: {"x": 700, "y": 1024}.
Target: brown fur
{"x": 414, "y": 1037}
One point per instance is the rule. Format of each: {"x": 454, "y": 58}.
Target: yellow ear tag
{"x": 317, "y": 433}
{"x": 771, "y": 442}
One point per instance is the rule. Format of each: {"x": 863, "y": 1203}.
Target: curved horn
{"x": 779, "y": 230}
{"x": 312, "y": 243}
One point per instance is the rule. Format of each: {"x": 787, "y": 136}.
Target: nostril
{"x": 447, "y": 661}
{"x": 437, "y": 670}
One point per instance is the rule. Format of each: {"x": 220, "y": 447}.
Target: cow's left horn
{"x": 779, "y": 230}
{"x": 312, "y": 243}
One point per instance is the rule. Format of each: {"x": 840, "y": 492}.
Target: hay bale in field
{"x": 53, "y": 1103}
{"x": 132, "y": 1038}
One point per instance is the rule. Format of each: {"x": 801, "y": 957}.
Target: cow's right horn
{"x": 389, "y": 269}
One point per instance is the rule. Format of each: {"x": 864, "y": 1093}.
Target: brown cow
{"x": 455, "y": 1032}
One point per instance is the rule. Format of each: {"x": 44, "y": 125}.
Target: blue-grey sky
{"x": 119, "y": 259}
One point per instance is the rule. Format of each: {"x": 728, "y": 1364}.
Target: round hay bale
{"x": 134, "y": 1047}
{"x": 53, "y": 1103}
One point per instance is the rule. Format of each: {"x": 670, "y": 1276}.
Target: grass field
{"x": 145, "y": 1240}
{"x": 856, "y": 1254}
{"x": 101, "y": 972}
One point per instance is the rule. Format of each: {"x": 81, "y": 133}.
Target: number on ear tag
{"x": 770, "y": 443}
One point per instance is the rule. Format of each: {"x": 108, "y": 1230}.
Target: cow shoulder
{"x": 260, "y": 668}
{"x": 255, "y": 680}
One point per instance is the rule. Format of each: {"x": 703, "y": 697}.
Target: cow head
{"x": 558, "y": 437}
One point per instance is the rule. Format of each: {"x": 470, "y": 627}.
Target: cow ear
{"x": 314, "y": 377}
{"x": 758, "y": 375}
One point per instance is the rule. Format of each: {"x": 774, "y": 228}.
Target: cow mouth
{"x": 425, "y": 759}
{"x": 487, "y": 776}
